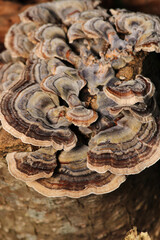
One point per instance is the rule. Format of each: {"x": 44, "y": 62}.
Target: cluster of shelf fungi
{"x": 60, "y": 93}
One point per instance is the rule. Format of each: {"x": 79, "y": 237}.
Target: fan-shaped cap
{"x": 51, "y": 43}
{"x": 68, "y": 85}
{"x": 76, "y": 29}
{"x": 144, "y": 112}
{"x": 48, "y": 31}
{"x": 142, "y": 30}
{"x": 24, "y": 109}
{"x": 65, "y": 83}
{"x": 129, "y": 92}
{"x": 81, "y": 116}
{"x": 66, "y": 11}
{"x": 74, "y": 179}
{"x": 37, "y": 69}
{"x": 10, "y": 73}
{"x": 75, "y": 32}
{"x": 56, "y": 47}
{"x": 127, "y": 147}
{"x": 39, "y": 14}
{"x": 5, "y": 57}
{"x": 16, "y": 40}
{"x": 30, "y": 166}
{"x": 97, "y": 28}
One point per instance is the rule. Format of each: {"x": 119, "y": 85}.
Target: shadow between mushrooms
{"x": 59, "y": 92}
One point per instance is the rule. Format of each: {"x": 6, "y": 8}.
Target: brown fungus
{"x": 25, "y": 109}
{"x": 142, "y": 31}
{"x": 66, "y": 10}
{"x": 30, "y": 166}
{"x": 10, "y": 73}
{"x": 74, "y": 179}
{"x": 16, "y": 40}
{"x": 60, "y": 92}
{"x": 67, "y": 84}
{"x": 129, "y": 92}
{"x": 126, "y": 147}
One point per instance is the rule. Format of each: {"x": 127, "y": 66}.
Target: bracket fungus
{"x": 60, "y": 92}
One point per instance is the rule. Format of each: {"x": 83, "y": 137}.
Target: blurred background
{"x": 148, "y": 6}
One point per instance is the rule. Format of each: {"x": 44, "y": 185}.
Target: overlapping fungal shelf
{"x": 60, "y": 93}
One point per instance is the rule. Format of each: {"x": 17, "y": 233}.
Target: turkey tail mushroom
{"x": 74, "y": 179}
{"x": 141, "y": 30}
{"x": 30, "y": 166}
{"x": 63, "y": 90}
{"x": 127, "y": 147}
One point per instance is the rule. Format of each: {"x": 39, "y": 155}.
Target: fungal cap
{"x": 74, "y": 179}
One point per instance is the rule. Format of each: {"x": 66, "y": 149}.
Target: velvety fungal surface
{"x": 60, "y": 92}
